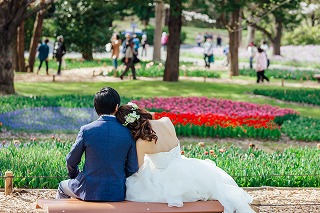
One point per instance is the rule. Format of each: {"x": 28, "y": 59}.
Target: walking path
{"x": 93, "y": 74}
{"x": 272, "y": 199}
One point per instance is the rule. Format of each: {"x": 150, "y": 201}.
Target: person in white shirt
{"x": 208, "y": 52}
{"x": 252, "y": 52}
{"x": 265, "y": 48}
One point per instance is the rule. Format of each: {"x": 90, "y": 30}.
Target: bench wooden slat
{"x": 78, "y": 206}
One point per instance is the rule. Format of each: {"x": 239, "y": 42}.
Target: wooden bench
{"x": 317, "y": 76}
{"x": 78, "y": 206}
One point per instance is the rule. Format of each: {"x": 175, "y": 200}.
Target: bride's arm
{"x": 143, "y": 147}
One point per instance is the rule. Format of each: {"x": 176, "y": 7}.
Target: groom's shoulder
{"x": 100, "y": 123}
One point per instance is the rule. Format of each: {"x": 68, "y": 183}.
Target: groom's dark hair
{"x": 106, "y": 100}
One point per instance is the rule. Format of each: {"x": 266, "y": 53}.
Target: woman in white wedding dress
{"x": 167, "y": 177}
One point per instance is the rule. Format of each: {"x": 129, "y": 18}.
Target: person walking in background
{"x": 164, "y": 41}
{"x": 43, "y": 50}
{"x": 252, "y": 52}
{"x": 261, "y": 65}
{"x": 126, "y": 42}
{"x": 265, "y": 48}
{"x": 144, "y": 44}
{"x": 219, "y": 41}
{"x": 115, "y": 42}
{"x": 208, "y": 52}
{"x": 226, "y": 53}
{"x": 129, "y": 60}
{"x": 199, "y": 39}
{"x": 59, "y": 51}
{"x": 136, "y": 42}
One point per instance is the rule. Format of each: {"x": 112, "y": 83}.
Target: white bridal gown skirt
{"x": 179, "y": 179}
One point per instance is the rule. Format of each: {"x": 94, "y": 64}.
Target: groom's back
{"x": 109, "y": 155}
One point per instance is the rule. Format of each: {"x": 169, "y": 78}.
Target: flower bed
{"x": 303, "y": 129}
{"x": 14, "y": 102}
{"x": 285, "y": 74}
{"x": 211, "y": 125}
{"x": 48, "y": 119}
{"x": 204, "y": 106}
{"x": 299, "y": 96}
{"x": 249, "y": 167}
{"x": 210, "y": 117}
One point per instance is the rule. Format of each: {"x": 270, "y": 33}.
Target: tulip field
{"x": 191, "y": 116}
{"x": 40, "y": 163}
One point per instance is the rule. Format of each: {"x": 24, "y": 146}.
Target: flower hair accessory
{"x": 131, "y": 117}
{"x": 134, "y": 106}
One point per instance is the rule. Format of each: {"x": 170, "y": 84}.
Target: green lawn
{"x": 165, "y": 89}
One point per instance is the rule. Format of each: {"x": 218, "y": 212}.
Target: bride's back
{"x": 167, "y": 139}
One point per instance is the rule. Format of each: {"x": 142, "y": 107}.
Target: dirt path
{"x": 97, "y": 74}
{"x": 288, "y": 200}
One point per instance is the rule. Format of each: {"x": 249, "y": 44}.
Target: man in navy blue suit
{"x": 110, "y": 155}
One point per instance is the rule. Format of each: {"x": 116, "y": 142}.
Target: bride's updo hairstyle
{"x": 137, "y": 120}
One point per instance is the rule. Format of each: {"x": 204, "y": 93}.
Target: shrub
{"x": 157, "y": 70}
{"x": 299, "y": 96}
{"x": 303, "y": 35}
{"x": 280, "y": 119}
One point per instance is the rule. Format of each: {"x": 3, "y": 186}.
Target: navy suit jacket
{"x": 110, "y": 157}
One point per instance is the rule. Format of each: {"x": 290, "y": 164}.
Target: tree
{"x": 85, "y": 24}
{"x": 145, "y": 11}
{"x": 230, "y": 16}
{"x": 20, "y": 63}
{"x": 272, "y": 17}
{"x": 37, "y": 30}
{"x": 311, "y": 11}
{"x": 171, "y": 71}
{"x": 12, "y": 13}
{"x": 157, "y": 31}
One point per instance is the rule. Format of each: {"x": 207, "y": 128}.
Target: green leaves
{"x": 311, "y": 96}
{"x": 281, "y": 73}
{"x": 41, "y": 164}
{"x": 303, "y": 129}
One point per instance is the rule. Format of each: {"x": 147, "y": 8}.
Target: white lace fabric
{"x": 163, "y": 159}
{"x": 168, "y": 177}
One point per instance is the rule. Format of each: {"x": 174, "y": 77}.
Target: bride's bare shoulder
{"x": 163, "y": 119}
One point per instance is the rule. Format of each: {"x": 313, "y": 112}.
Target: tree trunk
{"x": 20, "y": 63}
{"x": 12, "y": 13}
{"x": 276, "y": 41}
{"x": 171, "y": 71}
{"x": 251, "y": 34}
{"x": 145, "y": 23}
{"x": 87, "y": 53}
{"x": 240, "y": 30}
{"x": 37, "y": 30}
{"x": 7, "y": 55}
{"x": 157, "y": 32}
{"x": 313, "y": 19}
{"x": 234, "y": 43}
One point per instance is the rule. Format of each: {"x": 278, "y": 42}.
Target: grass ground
{"x": 165, "y": 89}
